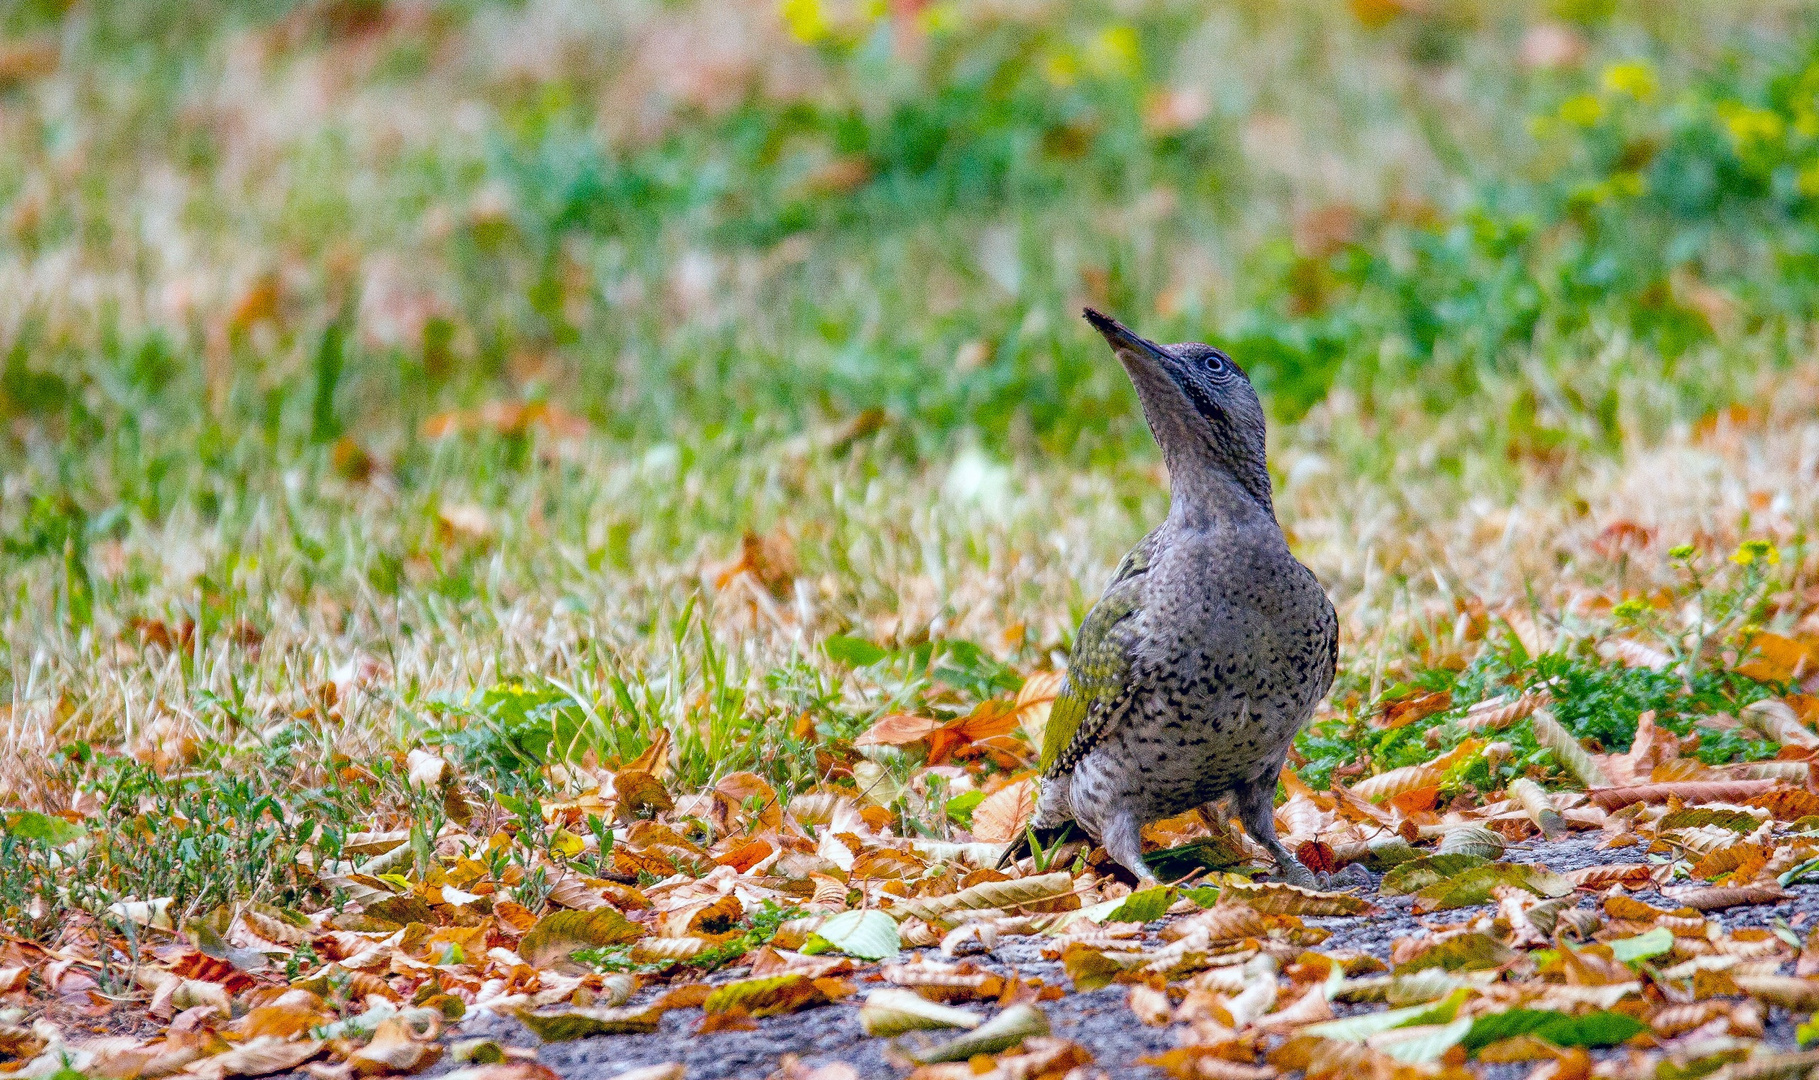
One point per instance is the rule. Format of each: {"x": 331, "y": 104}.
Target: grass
{"x": 473, "y": 376}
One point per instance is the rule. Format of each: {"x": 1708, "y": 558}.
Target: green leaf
{"x": 1000, "y": 1033}
{"x": 1144, "y": 906}
{"x": 868, "y": 935}
{"x": 960, "y": 807}
{"x": 1360, "y": 1027}
{"x": 1592, "y": 1029}
{"x": 555, "y": 936}
{"x": 1474, "y": 886}
{"x": 852, "y": 651}
{"x": 583, "y": 1023}
{"x": 55, "y": 831}
{"x": 1801, "y": 873}
{"x": 1643, "y": 946}
{"x": 1466, "y": 952}
{"x": 1206, "y": 853}
{"x": 1418, "y": 874}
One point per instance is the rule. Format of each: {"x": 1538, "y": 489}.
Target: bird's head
{"x": 1201, "y": 408}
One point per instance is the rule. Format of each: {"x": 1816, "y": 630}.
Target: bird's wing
{"x": 1097, "y": 670}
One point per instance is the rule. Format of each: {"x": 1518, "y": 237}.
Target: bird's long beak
{"x": 1123, "y": 339}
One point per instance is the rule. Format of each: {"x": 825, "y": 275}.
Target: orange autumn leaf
{"x": 1405, "y": 711}
{"x": 506, "y": 418}
{"x": 747, "y": 855}
{"x": 259, "y": 303}
{"x": 1779, "y": 658}
{"x": 1417, "y": 800}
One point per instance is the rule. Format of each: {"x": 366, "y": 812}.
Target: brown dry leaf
{"x": 1395, "y": 781}
{"x": 774, "y": 996}
{"x": 1740, "y": 861}
{"x": 292, "y": 1014}
{"x": 746, "y": 855}
{"x": 883, "y": 864}
{"x": 1687, "y": 791}
{"x": 1787, "y": 991}
{"x": 898, "y": 729}
{"x": 639, "y": 792}
{"x": 769, "y": 560}
{"x": 1034, "y": 702}
{"x": 1787, "y": 803}
{"x": 1001, "y": 816}
{"x": 1719, "y": 897}
{"x": 395, "y": 1048}
{"x": 28, "y": 58}
{"x": 1405, "y": 711}
{"x": 257, "y": 1057}
{"x": 1780, "y": 659}
{"x": 1599, "y": 878}
{"x": 1281, "y": 898}
{"x": 751, "y": 792}
{"x": 510, "y": 419}
{"x": 1416, "y": 800}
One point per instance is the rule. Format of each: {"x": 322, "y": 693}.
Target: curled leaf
{"x": 1280, "y": 898}
{"x": 571, "y": 1024}
{"x": 893, "y": 1012}
{"x": 868, "y": 935}
{"x": 1005, "y": 895}
{"x": 1004, "y": 1031}
{"x": 1472, "y": 840}
{"x": 1538, "y": 807}
{"x": 1566, "y": 749}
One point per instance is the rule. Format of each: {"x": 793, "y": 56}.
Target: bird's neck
{"x": 1202, "y": 499}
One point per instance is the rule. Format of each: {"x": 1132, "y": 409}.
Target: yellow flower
{"x": 1752, "y": 551}
{"x": 1632, "y": 78}
{"x": 1582, "y": 111}
{"x": 941, "y": 18}
{"x": 1808, "y": 183}
{"x": 1749, "y": 125}
{"x": 1114, "y": 51}
{"x": 806, "y": 21}
{"x": 1060, "y": 67}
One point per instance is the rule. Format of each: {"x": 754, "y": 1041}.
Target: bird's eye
{"x": 1216, "y": 365}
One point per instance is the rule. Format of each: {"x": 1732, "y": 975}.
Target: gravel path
{"x": 1099, "y": 1020}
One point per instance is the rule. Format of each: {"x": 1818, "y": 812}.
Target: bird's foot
{"x": 1292, "y": 872}
{"x": 1349, "y": 876}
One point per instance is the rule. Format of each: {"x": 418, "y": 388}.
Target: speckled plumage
{"x": 1211, "y": 646}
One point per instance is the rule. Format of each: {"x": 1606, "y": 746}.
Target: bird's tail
{"x": 1036, "y": 839}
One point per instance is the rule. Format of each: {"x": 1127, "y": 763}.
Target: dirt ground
{"x": 1099, "y": 1020}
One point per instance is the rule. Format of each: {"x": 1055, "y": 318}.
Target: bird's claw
{"x": 1350, "y": 876}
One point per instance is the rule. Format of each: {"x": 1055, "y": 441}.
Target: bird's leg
{"x": 1254, "y": 806}
{"x": 1123, "y": 840}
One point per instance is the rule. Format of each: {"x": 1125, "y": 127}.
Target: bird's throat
{"x": 1203, "y": 498}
